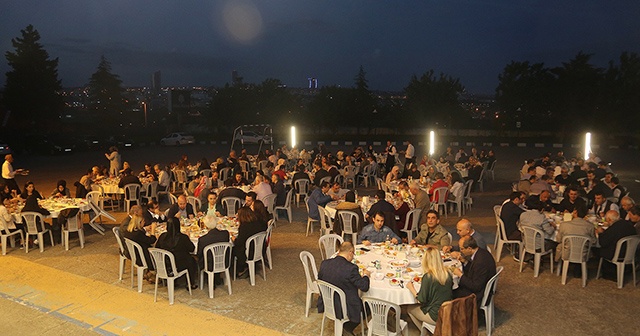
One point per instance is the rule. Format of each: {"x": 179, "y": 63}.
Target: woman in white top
{"x": 457, "y": 183}
{"x": 393, "y": 175}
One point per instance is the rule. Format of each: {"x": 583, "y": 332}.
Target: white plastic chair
{"x": 244, "y": 165}
{"x": 195, "y": 203}
{"x": 329, "y": 245}
{"x": 267, "y": 242}
{"x": 350, "y": 221}
{"x": 270, "y": 202}
{"x": 491, "y": 169}
{"x": 73, "y": 224}
{"x": 159, "y": 256}
{"x": 349, "y": 175}
{"x": 135, "y": 252}
{"x": 151, "y": 191}
{"x": 366, "y": 176}
{"x": 232, "y": 204}
{"x": 328, "y": 293}
{"x": 131, "y": 194}
{"x": 380, "y": 183}
{"x": 458, "y": 201}
{"x": 30, "y": 220}
{"x": 214, "y": 255}
{"x": 312, "y": 278}
{"x": 173, "y": 199}
{"x": 631, "y": 245}
{"x": 578, "y": 250}
{"x": 302, "y": 187}
{"x": 310, "y": 220}
{"x": 5, "y": 233}
{"x": 440, "y": 197}
{"x": 496, "y": 213}
{"x": 225, "y": 173}
{"x": 325, "y": 179}
{"x": 480, "y": 180}
{"x": 487, "y": 303}
{"x": 180, "y": 180}
{"x": 257, "y": 240}
{"x": 502, "y": 239}
{"x": 468, "y": 201}
{"x": 326, "y": 223}
{"x": 122, "y": 255}
{"x": 533, "y": 243}
{"x": 262, "y": 165}
{"x": 379, "y": 313}
{"x": 286, "y": 206}
{"x": 413, "y": 217}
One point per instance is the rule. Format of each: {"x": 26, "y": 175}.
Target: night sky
{"x": 196, "y": 42}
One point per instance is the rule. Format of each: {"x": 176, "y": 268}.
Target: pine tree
{"x": 32, "y": 87}
{"x": 106, "y": 93}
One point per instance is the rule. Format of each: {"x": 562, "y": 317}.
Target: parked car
{"x": 250, "y": 137}
{"x": 4, "y": 149}
{"x": 177, "y": 139}
{"x": 42, "y": 144}
{"x": 121, "y": 141}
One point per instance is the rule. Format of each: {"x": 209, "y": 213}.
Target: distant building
{"x": 156, "y": 82}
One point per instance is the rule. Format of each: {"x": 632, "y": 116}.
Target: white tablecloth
{"x": 382, "y": 289}
{"x": 55, "y": 205}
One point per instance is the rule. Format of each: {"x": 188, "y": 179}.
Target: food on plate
{"x": 394, "y": 282}
{"x": 409, "y": 269}
{"x": 390, "y": 275}
{"x": 417, "y": 279}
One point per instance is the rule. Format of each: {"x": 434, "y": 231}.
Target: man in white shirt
{"x": 409, "y": 153}
{"x": 336, "y": 192}
{"x": 8, "y": 174}
{"x": 163, "y": 178}
{"x": 262, "y": 188}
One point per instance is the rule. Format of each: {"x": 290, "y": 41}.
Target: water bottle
{"x": 387, "y": 241}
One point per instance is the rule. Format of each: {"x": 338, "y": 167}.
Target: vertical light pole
{"x": 293, "y": 137}
{"x": 432, "y": 143}
{"x": 144, "y": 106}
{"x": 587, "y": 145}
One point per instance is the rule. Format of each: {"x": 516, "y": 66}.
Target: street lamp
{"x": 293, "y": 137}
{"x": 587, "y": 145}
{"x": 432, "y": 143}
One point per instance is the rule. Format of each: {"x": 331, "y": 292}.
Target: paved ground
{"x": 77, "y": 291}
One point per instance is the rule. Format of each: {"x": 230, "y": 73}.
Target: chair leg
{"x": 65, "y": 239}
{"x": 307, "y": 305}
{"x": 252, "y": 272}
{"x": 121, "y": 268}
{"x": 140, "y": 278}
{"x": 41, "y": 241}
{"x": 211, "y": 276}
{"x": 584, "y": 274}
{"x": 189, "y": 283}
{"x": 289, "y": 214}
{"x": 3, "y": 240}
{"x": 522, "y": 253}
{"x": 155, "y": 292}
{"x": 536, "y": 264}
{"x": 551, "y": 261}
{"x": 269, "y": 257}
{"x": 620, "y": 269}
{"x": 264, "y": 269}
{"x": 81, "y": 236}
{"x": 228, "y": 279}
{"x": 499, "y": 250}
{"x": 171, "y": 287}
{"x": 599, "y": 268}
{"x": 565, "y": 268}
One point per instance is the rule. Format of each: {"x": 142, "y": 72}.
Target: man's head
{"x": 464, "y": 228}
{"x": 544, "y": 196}
{"x": 611, "y": 216}
{"x": 156, "y": 168}
{"x": 238, "y": 177}
{"x": 614, "y": 181}
{"x": 380, "y": 194}
{"x": 378, "y": 220}
{"x": 232, "y": 154}
{"x": 403, "y": 185}
{"x": 573, "y": 194}
{"x": 515, "y": 197}
{"x": 439, "y": 176}
{"x": 325, "y": 186}
{"x": 212, "y": 198}
{"x": 599, "y": 198}
{"x": 414, "y": 188}
{"x": 564, "y": 171}
{"x": 346, "y": 250}
{"x": 8, "y": 158}
{"x": 467, "y": 245}
{"x": 250, "y": 198}
{"x": 634, "y": 214}
{"x": 531, "y": 170}
{"x": 275, "y": 178}
{"x": 580, "y": 211}
{"x": 591, "y": 175}
{"x": 433, "y": 218}
{"x": 335, "y": 187}
{"x": 627, "y": 203}
{"x": 608, "y": 177}
{"x": 182, "y": 202}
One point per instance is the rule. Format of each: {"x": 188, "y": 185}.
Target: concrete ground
{"x": 77, "y": 292}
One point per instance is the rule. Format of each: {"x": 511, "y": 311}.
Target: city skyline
{"x": 195, "y": 44}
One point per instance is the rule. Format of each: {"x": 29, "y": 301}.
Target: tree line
{"x": 530, "y": 96}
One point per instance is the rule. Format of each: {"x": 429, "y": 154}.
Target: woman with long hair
{"x": 181, "y": 246}
{"x": 393, "y": 175}
{"x": 456, "y": 183}
{"x": 135, "y": 231}
{"x": 435, "y": 289}
{"x": 250, "y": 224}
{"x": 30, "y": 189}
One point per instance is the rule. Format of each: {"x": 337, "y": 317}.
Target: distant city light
{"x": 432, "y": 143}
{"x": 293, "y": 137}
{"x": 587, "y": 145}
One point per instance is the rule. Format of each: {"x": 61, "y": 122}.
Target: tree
{"x": 621, "y": 103}
{"x": 106, "y": 94}
{"x": 434, "y": 100}
{"x": 32, "y": 86}
{"x": 363, "y": 103}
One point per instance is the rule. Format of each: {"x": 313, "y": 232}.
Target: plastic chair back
{"x": 533, "y": 239}
{"x": 578, "y": 248}
{"x": 225, "y": 173}
{"x": 164, "y": 262}
{"x": 206, "y": 172}
{"x": 328, "y": 245}
{"x": 257, "y": 240}
{"x": 349, "y": 221}
{"x": 214, "y": 257}
{"x": 440, "y": 195}
{"x": 116, "y": 232}
{"x": 413, "y": 217}
{"x": 631, "y": 243}
{"x": 325, "y": 179}
{"x": 326, "y": 224}
{"x": 74, "y": 223}
{"x": 490, "y": 288}
{"x": 232, "y": 204}
{"x": 270, "y": 202}
{"x": 181, "y": 176}
{"x": 30, "y": 220}
{"x": 379, "y": 312}
{"x": 152, "y": 190}
{"x": 136, "y": 252}
{"x": 308, "y": 261}
{"x": 328, "y": 293}
{"x": 172, "y": 199}
{"x": 302, "y": 187}
{"x": 262, "y": 165}
{"x": 132, "y": 192}
{"x": 95, "y": 197}
{"x": 195, "y": 203}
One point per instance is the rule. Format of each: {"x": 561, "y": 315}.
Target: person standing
{"x": 391, "y": 156}
{"x": 342, "y": 273}
{"x": 8, "y": 173}
{"x": 409, "y": 154}
{"x": 115, "y": 161}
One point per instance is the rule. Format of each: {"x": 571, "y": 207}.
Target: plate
{"x": 394, "y": 282}
{"x": 398, "y": 263}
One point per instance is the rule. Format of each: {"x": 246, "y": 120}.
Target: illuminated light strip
{"x": 587, "y": 145}
{"x": 293, "y": 136}
{"x": 432, "y": 143}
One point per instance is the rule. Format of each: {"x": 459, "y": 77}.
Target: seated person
{"x": 213, "y": 236}
{"x": 432, "y": 233}
{"x": 261, "y": 187}
{"x": 578, "y": 226}
{"x": 478, "y": 266}
{"x": 128, "y": 178}
{"x": 534, "y": 217}
{"x": 238, "y": 180}
{"x": 377, "y": 232}
{"x": 30, "y": 189}
{"x": 349, "y": 204}
{"x": 209, "y": 207}
{"x": 381, "y": 205}
{"x": 61, "y": 190}
{"x": 181, "y": 246}
{"x": 182, "y": 209}
{"x": 135, "y": 231}
{"x": 617, "y": 229}
{"x": 249, "y": 225}
{"x": 602, "y": 205}
{"x": 535, "y": 201}
{"x": 510, "y": 214}
{"x": 152, "y": 214}
{"x": 336, "y": 192}
{"x": 318, "y": 197}
{"x": 464, "y": 228}
{"x": 228, "y": 191}
{"x": 278, "y": 189}
{"x": 572, "y": 200}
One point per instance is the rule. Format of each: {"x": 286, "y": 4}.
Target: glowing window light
{"x": 432, "y": 143}
{"x": 293, "y": 137}
{"x": 587, "y": 145}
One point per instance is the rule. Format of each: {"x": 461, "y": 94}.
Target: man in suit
{"x": 601, "y": 205}
{"x": 228, "y": 192}
{"x": 152, "y": 214}
{"x": 617, "y": 229}
{"x": 213, "y": 236}
{"x": 340, "y": 272}
{"x": 421, "y": 200}
{"x": 318, "y": 197}
{"x": 510, "y": 214}
{"x": 464, "y": 228}
{"x": 626, "y": 203}
{"x": 320, "y": 174}
{"x": 380, "y": 205}
{"x": 181, "y": 209}
{"x": 479, "y": 267}
{"x": 536, "y": 201}
{"x": 128, "y": 178}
